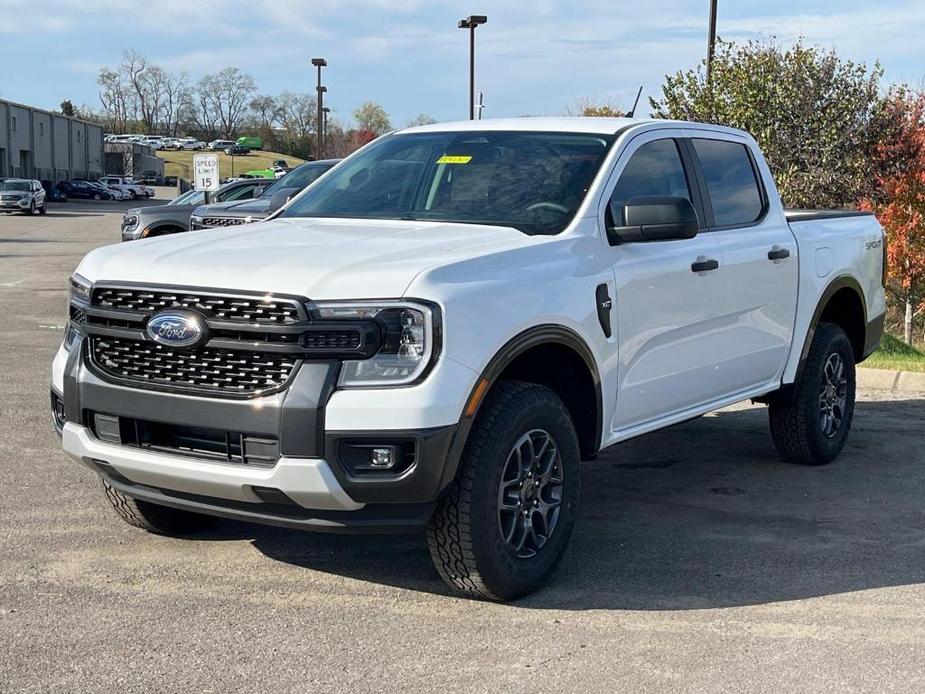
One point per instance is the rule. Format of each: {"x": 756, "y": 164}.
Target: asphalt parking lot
{"x": 700, "y": 563}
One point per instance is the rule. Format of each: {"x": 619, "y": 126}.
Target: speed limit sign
{"x": 205, "y": 172}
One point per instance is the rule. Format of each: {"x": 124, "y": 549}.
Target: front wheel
{"x": 44, "y": 208}
{"x": 161, "y": 520}
{"x": 502, "y": 526}
{"x": 31, "y": 210}
{"x": 810, "y": 422}
{"x": 132, "y": 194}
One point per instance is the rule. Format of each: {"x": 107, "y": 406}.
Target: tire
{"x": 161, "y": 520}
{"x": 132, "y": 194}
{"x": 31, "y": 211}
{"x": 44, "y": 208}
{"x": 811, "y": 421}
{"x": 472, "y": 539}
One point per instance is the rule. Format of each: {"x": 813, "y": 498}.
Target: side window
{"x": 654, "y": 169}
{"x": 240, "y": 193}
{"x": 731, "y": 183}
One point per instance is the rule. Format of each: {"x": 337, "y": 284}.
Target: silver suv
{"x": 22, "y": 195}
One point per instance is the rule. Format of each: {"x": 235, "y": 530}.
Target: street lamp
{"x": 470, "y": 23}
{"x": 324, "y": 123}
{"x": 319, "y": 137}
{"x": 711, "y": 41}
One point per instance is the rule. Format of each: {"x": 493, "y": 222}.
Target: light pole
{"x": 711, "y": 41}
{"x": 470, "y": 23}
{"x": 324, "y": 123}
{"x": 319, "y": 136}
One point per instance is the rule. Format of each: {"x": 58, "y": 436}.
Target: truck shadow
{"x": 702, "y": 515}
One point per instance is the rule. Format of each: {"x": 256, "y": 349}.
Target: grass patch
{"x": 180, "y": 163}
{"x": 896, "y": 354}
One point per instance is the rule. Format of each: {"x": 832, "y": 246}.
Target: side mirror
{"x": 280, "y": 198}
{"x": 655, "y": 218}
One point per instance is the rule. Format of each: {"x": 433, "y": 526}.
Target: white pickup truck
{"x": 129, "y": 186}
{"x": 438, "y": 331}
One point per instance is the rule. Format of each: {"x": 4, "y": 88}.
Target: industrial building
{"x": 47, "y": 146}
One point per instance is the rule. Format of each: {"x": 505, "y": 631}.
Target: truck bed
{"x": 797, "y": 215}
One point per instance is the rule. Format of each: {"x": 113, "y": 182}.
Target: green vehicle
{"x": 260, "y": 173}
{"x": 250, "y": 142}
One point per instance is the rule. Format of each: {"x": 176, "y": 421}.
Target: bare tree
{"x": 223, "y": 99}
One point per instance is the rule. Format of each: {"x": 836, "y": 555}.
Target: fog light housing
{"x": 382, "y": 458}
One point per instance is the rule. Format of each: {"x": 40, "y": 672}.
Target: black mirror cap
{"x": 280, "y": 198}
{"x": 655, "y": 218}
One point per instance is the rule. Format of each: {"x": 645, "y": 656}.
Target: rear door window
{"x": 731, "y": 183}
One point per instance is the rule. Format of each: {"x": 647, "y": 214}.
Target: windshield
{"x": 532, "y": 181}
{"x": 15, "y": 185}
{"x": 190, "y": 197}
{"x": 297, "y": 178}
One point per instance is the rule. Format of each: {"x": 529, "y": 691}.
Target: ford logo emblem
{"x": 177, "y": 328}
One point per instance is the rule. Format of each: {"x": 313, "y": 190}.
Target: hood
{"x": 236, "y": 208}
{"x": 316, "y": 258}
{"x": 159, "y": 210}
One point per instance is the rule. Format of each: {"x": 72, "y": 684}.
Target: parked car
{"x": 271, "y": 199}
{"x": 22, "y": 195}
{"x": 522, "y": 323}
{"x": 280, "y": 164}
{"x": 191, "y": 143}
{"x": 83, "y": 190}
{"x": 170, "y": 180}
{"x": 116, "y": 193}
{"x": 237, "y": 151}
{"x": 158, "y": 220}
{"x": 128, "y": 184}
{"x": 220, "y": 145}
{"x": 149, "y": 178}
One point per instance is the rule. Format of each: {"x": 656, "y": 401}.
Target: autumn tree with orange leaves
{"x": 900, "y": 201}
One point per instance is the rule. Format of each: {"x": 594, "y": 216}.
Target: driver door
{"x": 668, "y": 314}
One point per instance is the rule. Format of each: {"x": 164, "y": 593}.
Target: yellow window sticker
{"x": 455, "y": 159}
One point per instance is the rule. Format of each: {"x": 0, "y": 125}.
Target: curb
{"x": 893, "y": 381}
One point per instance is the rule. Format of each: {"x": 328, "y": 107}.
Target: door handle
{"x": 778, "y": 253}
{"x": 704, "y": 264}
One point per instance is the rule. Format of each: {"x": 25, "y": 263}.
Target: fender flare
{"x": 836, "y": 285}
{"x": 513, "y": 348}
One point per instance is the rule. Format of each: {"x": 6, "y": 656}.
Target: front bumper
{"x": 308, "y": 482}
{"x": 313, "y": 484}
{"x": 15, "y": 205}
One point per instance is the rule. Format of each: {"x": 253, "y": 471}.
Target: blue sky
{"x": 534, "y": 57}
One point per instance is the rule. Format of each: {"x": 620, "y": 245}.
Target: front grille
{"x": 217, "y": 445}
{"x": 222, "y": 371}
{"x": 232, "y": 308}
{"x": 333, "y": 339}
{"x": 223, "y": 221}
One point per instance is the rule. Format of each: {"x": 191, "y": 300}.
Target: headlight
{"x": 195, "y": 220}
{"x": 78, "y": 300}
{"x": 130, "y": 222}
{"x": 410, "y": 340}
{"x": 80, "y": 289}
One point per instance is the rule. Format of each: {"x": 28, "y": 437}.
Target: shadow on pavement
{"x": 702, "y": 515}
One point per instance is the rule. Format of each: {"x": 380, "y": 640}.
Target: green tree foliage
{"x": 67, "y": 109}
{"x": 819, "y": 119}
{"x": 371, "y": 117}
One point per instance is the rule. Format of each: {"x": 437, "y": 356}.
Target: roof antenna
{"x": 632, "y": 113}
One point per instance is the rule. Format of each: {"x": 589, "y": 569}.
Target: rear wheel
{"x": 132, "y": 194}
{"x": 503, "y": 525}
{"x": 811, "y": 421}
{"x": 161, "y": 520}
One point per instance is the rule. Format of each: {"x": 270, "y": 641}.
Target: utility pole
{"x": 319, "y": 126}
{"x": 711, "y": 41}
{"x": 470, "y": 23}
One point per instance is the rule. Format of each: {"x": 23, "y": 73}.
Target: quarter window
{"x": 654, "y": 169}
{"x": 730, "y": 177}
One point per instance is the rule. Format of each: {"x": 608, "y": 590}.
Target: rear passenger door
{"x": 759, "y": 260}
